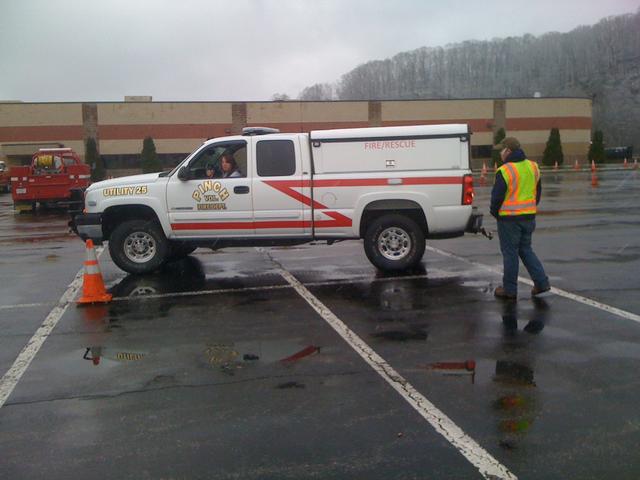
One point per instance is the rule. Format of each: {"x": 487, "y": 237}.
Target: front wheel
{"x": 394, "y": 242}
{"x": 138, "y": 246}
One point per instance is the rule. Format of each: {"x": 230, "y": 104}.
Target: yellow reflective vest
{"x": 522, "y": 181}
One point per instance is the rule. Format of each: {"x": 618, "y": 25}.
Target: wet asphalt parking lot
{"x": 304, "y": 362}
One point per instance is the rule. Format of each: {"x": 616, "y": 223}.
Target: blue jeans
{"x": 515, "y": 241}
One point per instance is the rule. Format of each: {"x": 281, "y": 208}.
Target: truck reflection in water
{"x": 95, "y": 354}
{"x": 537, "y": 318}
{"x": 517, "y": 405}
{"x": 395, "y": 297}
{"x": 184, "y": 275}
{"x": 154, "y": 295}
{"x": 227, "y": 357}
{"x": 454, "y": 369}
{"x": 143, "y": 302}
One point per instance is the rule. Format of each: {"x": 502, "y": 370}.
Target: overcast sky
{"x": 102, "y": 50}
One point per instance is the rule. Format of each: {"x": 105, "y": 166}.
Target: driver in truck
{"x": 229, "y": 166}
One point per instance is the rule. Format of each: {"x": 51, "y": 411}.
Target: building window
{"x": 481, "y": 151}
{"x": 132, "y": 161}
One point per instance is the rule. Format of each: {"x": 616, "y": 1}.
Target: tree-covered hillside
{"x": 600, "y": 61}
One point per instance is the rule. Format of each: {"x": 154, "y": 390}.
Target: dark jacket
{"x": 500, "y": 190}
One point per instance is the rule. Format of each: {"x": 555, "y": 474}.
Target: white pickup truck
{"x": 391, "y": 186}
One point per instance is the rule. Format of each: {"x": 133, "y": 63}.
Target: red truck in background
{"x": 56, "y": 178}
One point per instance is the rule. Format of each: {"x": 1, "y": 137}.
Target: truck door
{"x": 281, "y": 190}
{"x": 213, "y": 202}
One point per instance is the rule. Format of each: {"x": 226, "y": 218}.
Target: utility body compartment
{"x": 391, "y": 186}
{"x": 391, "y": 149}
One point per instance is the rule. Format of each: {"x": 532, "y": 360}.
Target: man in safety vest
{"x": 514, "y": 199}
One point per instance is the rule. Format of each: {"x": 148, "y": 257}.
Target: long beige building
{"x": 179, "y": 127}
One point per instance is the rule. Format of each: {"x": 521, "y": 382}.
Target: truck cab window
{"x": 275, "y": 158}
{"x": 57, "y": 163}
{"x": 208, "y": 163}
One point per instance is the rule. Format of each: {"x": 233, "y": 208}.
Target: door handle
{"x": 241, "y": 189}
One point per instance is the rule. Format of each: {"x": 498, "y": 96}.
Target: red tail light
{"x": 467, "y": 190}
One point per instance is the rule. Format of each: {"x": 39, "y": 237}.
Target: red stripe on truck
{"x": 287, "y": 187}
{"x": 377, "y": 182}
{"x": 339, "y": 220}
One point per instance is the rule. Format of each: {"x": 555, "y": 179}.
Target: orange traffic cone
{"x": 93, "y": 290}
{"x": 555, "y": 166}
{"x": 625, "y": 163}
{"x": 577, "y": 165}
{"x": 594, "y": 180}
{"x": 635, "y": 164}
{"x": 593, "y": 165}
{"x": 483, "y": 173}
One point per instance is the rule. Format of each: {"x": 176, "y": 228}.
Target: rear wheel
{"x": 138, "y": 246}
{"x": 394, "y": 242}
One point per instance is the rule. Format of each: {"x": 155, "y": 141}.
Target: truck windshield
{"x": 180, "y": 164}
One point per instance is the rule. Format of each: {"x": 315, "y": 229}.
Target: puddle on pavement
{"x": 97, "y": 354}
{"x": 183, "y": 275}
{"x": 537, "y": 317}
{"x": 227, "y": 358}
{"x": 460, "y": 369}
{"x": 513, "y": 373}
{"x": 285, "y": 351}
{"x": 401, "y": 335}
{"x": 232, "y": 357}
{"x": 288, "y": 385}
{"x": 188, "y": 275}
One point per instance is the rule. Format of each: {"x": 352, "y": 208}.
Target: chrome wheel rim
{"x": 143, "y": 291}
{"x": 140, "y": 247}
{"x": 394, "y": 243}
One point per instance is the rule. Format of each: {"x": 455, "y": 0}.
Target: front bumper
{"x": 87, "y": 226}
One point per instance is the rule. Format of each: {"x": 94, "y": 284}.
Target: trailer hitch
{"x": 486, "y": 233}
{"x": 474, "y": 225}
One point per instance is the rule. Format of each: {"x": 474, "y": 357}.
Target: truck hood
{"x": 146, "y": 179}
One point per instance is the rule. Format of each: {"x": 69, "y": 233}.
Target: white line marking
{"x": 25, "y": 305}
{"x": 26, "y": 356}
{"x": 486, "y": 464}
{"x": 195, "y": 293}
{"x": 558, "y": 291}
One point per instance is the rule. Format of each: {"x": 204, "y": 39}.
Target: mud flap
{"x": 474, "y": 225}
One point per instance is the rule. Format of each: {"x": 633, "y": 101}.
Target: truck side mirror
{"x": 183, "y": 174}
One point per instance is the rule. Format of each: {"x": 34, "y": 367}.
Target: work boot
{"x": 537, "y": 290}
{"x": 501, "y": 293}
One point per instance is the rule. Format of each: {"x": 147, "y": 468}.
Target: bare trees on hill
{"x": 600, "y": 61}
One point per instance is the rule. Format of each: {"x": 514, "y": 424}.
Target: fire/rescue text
{"x": 390, "y": 144}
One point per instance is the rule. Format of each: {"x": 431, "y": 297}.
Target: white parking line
{"x": 26, "y": 356}
{"x": 558, "y": 291}
{"x": 196, "y": 293}
{"x": 25, "y": 305}
{"x": 486, "y": 464}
